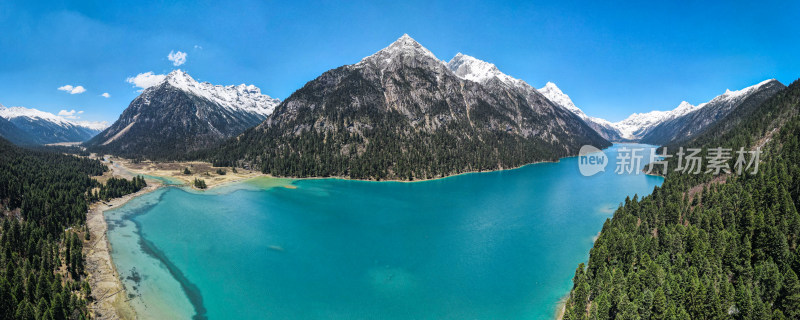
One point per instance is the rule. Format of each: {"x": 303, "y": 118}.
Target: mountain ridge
{"x": 40, "y": 127}
{"x": 661, "y": 127}
{"x": 401, "y": 113}
{"x": 696, "y": 120}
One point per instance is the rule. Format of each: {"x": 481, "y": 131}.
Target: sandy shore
{"x": 110, "y": 298}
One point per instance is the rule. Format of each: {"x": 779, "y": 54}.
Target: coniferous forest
{"x": 704, "y": 247}
{"x": 44, "y": 198}
{"x": 388, "y": 156}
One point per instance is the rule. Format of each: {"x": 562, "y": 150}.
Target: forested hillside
{"x": 44, "y": 198}
{"x": 703, "y": 247}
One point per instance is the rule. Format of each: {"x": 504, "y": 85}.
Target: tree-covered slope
{"x": 703, "y": 247}
{"x": 44, "y": 198}
{"x": 402, "y": 114}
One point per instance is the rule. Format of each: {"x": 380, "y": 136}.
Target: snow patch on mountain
{"x": 242, "y": 97}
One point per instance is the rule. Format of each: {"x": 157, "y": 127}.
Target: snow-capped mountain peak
{"x": 683, "y": 108}
{"x": 473, "y": 69}
{"x": 554, "y": 94}
{"x": 403, "y": 50}
{"x": 243, "y": 97}
{"x": 404, "y": 45}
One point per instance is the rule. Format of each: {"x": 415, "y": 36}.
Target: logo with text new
{"x": 591, "y": 160}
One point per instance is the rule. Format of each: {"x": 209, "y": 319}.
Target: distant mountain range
{"x": 180, "y": 115}
{"x": 699, "y": 118}
{"x": 662, "y": 127}
{"x": 655, "y": 127}
{"x": 30, "y": 126}
{"x": 401, "y": 113}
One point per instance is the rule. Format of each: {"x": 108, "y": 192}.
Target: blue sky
{"x": 612, "y": 58}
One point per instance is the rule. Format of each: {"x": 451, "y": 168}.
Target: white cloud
{"x": 146, "y": 80}
{"x": 71, "y": 89}
{"x": 71, "y": 114}
{"x": 198, "y": 47}
{"x": 106, "y": 95}
{"x": 177, "y": 58}
{"x": 96, "y": 125}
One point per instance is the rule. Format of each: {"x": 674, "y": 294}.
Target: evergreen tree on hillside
{"x": 51, "y": 192}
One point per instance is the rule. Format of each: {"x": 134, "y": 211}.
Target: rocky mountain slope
{"x": 33, "y": 126}
{"x": 401, "y": 113}
{"x": 180, "y": 115}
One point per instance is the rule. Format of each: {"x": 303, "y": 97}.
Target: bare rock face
{"x": 403, "y": 114}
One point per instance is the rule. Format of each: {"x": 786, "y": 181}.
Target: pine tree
{"x": 791, "y": 295}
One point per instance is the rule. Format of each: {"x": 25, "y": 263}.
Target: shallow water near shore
{"x": 494, "y": 245}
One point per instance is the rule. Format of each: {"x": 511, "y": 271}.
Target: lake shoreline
{"x": 111, "y": 298}
{"x": 109, "y": 295}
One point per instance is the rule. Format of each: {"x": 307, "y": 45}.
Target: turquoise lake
{"x": 494, "y": 245}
